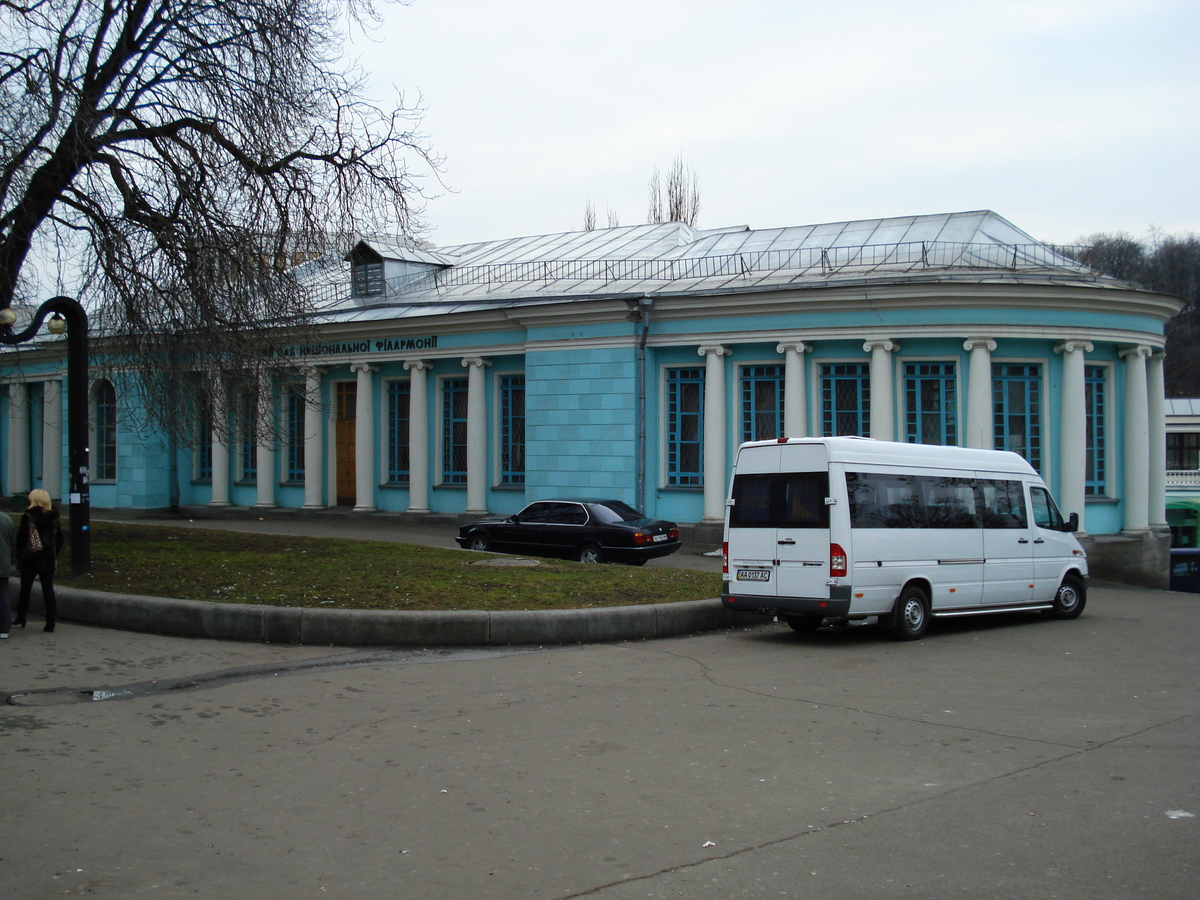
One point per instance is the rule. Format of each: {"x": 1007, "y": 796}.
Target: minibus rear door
{"x": 802, "y": 538}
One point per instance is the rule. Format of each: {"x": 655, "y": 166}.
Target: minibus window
{"x": 1045, "y": 512}
{"x": 1002, "y": 502}
{"x": 780, "y": 500}
{"x": 879, "y": 500}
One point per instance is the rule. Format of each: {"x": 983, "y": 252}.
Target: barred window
{"x": 762, "y": 403}
{"x": 685, "y": 426}
{"x": 1096, "y": 394}
{"x": 930, "y": 403}
{"x": 106, "y": 431}
{"x": 399, "y": 396}
{"x": 1017, "y": 410}
{"x": 845, "y": 399}
{"x": 454, "y": 431}
{"x": 512, "y": 429}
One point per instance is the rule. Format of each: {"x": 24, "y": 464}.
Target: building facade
{"x": 630, "y": 362}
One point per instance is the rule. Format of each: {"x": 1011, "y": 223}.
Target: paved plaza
{"x": 1003, "y": 757}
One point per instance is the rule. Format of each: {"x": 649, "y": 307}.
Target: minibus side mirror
{"x": 1072, "y": 523}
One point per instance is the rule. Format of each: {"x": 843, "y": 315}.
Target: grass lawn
{"x": 280, "y": 570}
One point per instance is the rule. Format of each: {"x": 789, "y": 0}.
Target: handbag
{"x": 34, "y": 544}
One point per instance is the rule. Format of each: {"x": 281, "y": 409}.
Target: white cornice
{"x": 1007, "y": 295}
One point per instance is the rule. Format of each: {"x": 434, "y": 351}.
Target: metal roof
{"x": 673, "y": 258}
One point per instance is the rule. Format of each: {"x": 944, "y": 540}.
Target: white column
{"x": 418, "y": 436}
{"x": 52, "y": 438}
{"x": 1137, "y": 441}
{"x": 979, "y": 431}
{"x": 477, "y": 438}
{"x": 1157, "y": 418}
{"x": 1072, "y": 433}
{"x": 883, "y": 394}
{"x": 714, "y": 431}
{"x": 364, "y": 438}
{"x": 18, "y": 438}
{"x": 264, "y": 445}
{"x": 795, "y": 406}
{"x": 314, "y": 445}
{"x": 220, "y": 445}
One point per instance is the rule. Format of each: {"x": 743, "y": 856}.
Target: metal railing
{"x": 1183, "y": 478}
{"x": 815, "y": 261}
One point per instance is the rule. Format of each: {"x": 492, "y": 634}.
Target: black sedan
{"x": 591, "y": 531}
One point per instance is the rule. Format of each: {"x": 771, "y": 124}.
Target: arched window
{"x": 104, "y": 446}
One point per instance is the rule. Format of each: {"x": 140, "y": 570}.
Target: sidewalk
{"x": 364, "y": 628}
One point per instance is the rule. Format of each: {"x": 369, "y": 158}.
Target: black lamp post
{"x": 69, "y": 316}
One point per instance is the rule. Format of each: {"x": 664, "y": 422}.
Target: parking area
{"x": 1001, "y": 757}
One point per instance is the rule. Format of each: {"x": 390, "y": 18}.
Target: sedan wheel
{"x": 590, "y": 553}
{"x": 480, "y": 542}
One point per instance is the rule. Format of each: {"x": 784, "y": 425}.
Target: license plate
{"x": 753, "y": 574}
{"x": 660, "y": 537}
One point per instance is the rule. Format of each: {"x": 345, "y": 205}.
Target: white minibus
{"x": 851, "y": 528}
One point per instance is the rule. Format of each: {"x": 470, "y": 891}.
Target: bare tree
{"x": 186, "y": 155}
{"x": 614, "y": 221}
{"x": 655, "y": 214}
{"x": 683, "y": 195}
{"x": 589, "y": 216}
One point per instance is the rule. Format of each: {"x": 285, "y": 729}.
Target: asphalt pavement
{"x": 1012, "y": 756}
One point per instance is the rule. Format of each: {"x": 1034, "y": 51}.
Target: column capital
{"x": 312, "y": 371}
{"x": 713, "y": 349}
{"x": 469, "y": 361}
{"x": 980, "y": 343}
{"x": 1073, "y": 345}
{"x": 418, "y": 364}
{"x": 1137, "y": 350}
{"x": 361, "y": 368}
{"x": 798, "y": 346}
{"x": 881, "y": 344}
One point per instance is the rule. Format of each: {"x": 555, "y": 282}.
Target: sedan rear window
{"x": 614, "y": 512}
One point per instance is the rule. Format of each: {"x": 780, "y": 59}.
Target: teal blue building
{"x": 630, "y": 362}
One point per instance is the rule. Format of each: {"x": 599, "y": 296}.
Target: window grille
{"x": 295, "y": 431}
{"x": 106, "y": 432}
{"x": 1096, "y": 394}
{"x": 685, "y": 426}
{"x": 762, "y": 403}
{"x": 1017, "y": 410}
{"x": 398, "y": 400}
{"x": 845, "y": 399}
{"x": 454, "y": 431}
{"x": 931, "y": 403}
{"x": 512, "y": 429}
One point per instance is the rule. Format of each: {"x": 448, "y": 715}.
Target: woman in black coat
{"x": 40, "y": 563}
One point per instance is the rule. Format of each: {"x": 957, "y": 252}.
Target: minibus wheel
{"x": 1069, "y": 599}
{"x": 911, "y": 614}
{"x": 804, "y": 624}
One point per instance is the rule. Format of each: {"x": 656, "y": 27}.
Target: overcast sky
{"x": 1066, "y": 117}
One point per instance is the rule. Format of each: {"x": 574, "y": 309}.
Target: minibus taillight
{"x": 837, "y": 561}
{"x": 725, "y": 558}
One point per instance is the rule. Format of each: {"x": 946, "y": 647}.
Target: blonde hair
{"x": 39, "y": 498}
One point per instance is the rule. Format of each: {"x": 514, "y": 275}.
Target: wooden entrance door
{"x": 347, "y": 395}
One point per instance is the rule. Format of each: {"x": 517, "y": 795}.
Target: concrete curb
{"x": 372, "y": 628}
